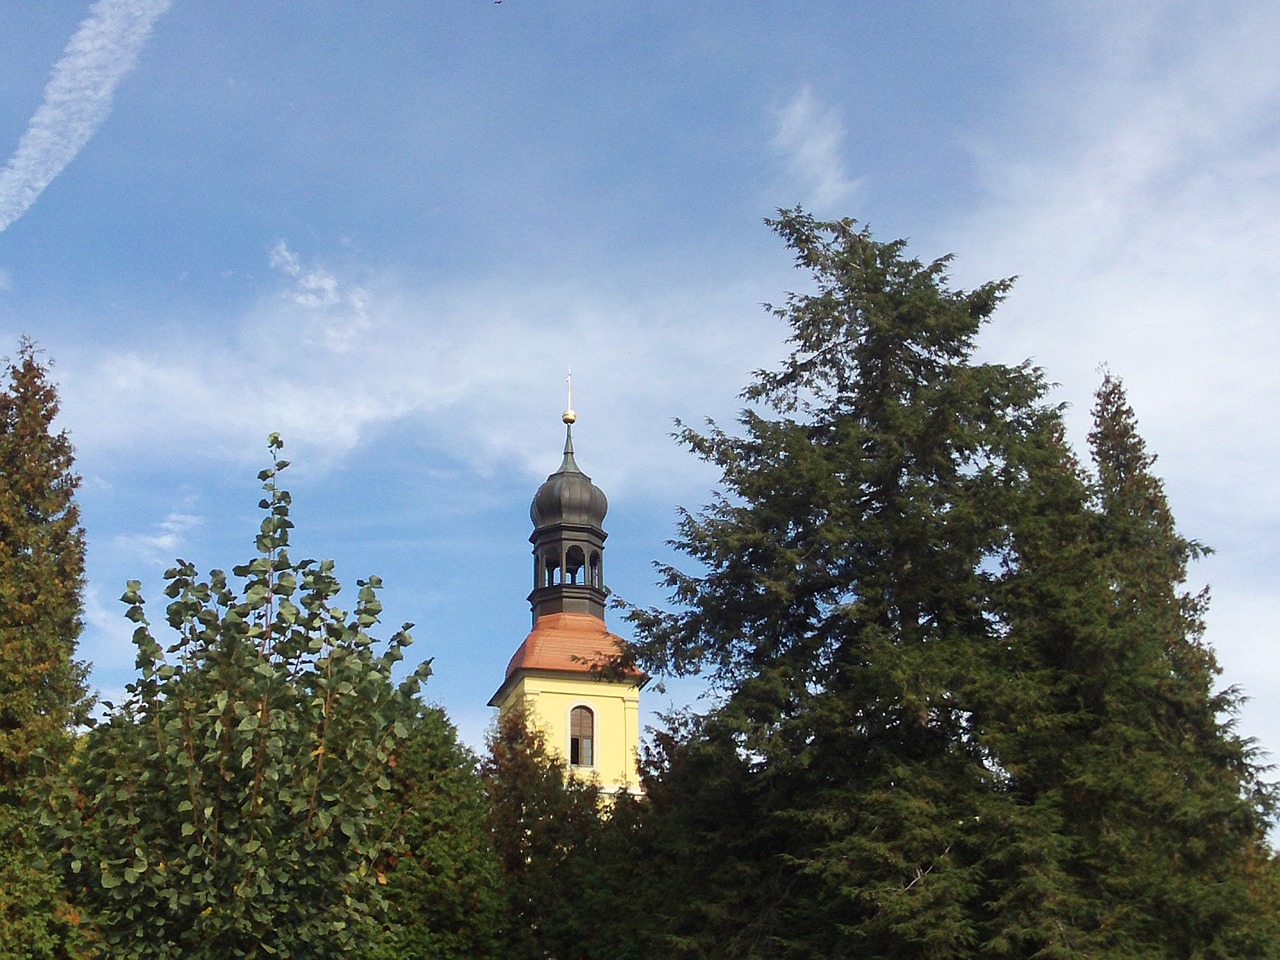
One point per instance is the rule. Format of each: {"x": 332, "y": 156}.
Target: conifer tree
{"x": 719, "y": 883}
{"x": 42, "y": 686}
{"x": 844, "y": 613}
{"x": 540, "y": 819}
{"x": 962, "y": 704}
{"x": 442, "y": 875}
{"x": 573, "y": 870}
{"x": 1166, "y": 798}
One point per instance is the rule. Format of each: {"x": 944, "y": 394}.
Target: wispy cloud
{"x": 161, "y": 545}
{"x": 328, "y": 362}
{"x": 77, "y": 99}
{"x": 1151, "y": 192}
{"x": 810, "y": 136}
{"x": 339, "y": 312}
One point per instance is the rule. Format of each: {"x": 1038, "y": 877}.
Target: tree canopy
{"x": 42, "y": 685}
{"x": 963, "y": 705}
{"x": 961, "y": 702}
{"x": 233, "y": 804}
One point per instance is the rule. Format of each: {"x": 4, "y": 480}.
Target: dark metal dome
{"x": 568, "y": 496}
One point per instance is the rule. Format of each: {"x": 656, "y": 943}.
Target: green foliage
{"x": 573, "y": 866}
{"x": 843, "y": 610}
{"x": 443, "y": 878}
{"x": 1164, "y": 795}
{"x": 36, "y": 922}
{"x": 231, "y": 807}
{"x": 42, "y": 692}
{"x": 42, "y": 688}
{"x": 963, "y": 706}
{"x": 541, "y": 821}
{"x": 720, "y": 884}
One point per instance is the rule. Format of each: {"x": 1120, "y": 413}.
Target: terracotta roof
{"x": 572, "y": 642}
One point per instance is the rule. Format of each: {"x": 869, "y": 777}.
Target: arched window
{"x": 581, "y": 737}
{"x": 593, "y": 577}
{"x": 574, "y": 561}
{"x": 550, "y": 569}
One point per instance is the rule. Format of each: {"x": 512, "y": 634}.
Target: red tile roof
{"x": 573, "y": 642}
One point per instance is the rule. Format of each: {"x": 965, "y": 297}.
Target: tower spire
{"x": 591, "y": 719}
{"x": 569, "y": 417}
{"x": 568, "y": 536}
{"x": 568, "y": 464}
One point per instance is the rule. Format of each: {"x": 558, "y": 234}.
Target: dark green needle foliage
{"x": 231, "y": 807}
{"x": 1163, "y": 794}
{"x": 936, "y": 655}
{"x": 442, "y": 875}
{"x": 576, "y": 871}
{"x": 42, "y": 686}
{"x": 542, "y": 822}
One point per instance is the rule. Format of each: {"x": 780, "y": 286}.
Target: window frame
{"x": 577, "y": 740}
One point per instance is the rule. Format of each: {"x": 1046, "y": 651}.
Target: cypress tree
{"x": 1166, "y": 798}
{"x": 577, "y": 865}
{"x": 544, "y": 824}
{"x": 42, "y": 686}
{"x": 442, "y": 875}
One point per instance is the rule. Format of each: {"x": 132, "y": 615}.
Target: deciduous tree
{"x": 231, "y": 807}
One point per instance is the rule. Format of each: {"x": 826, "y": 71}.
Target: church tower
{"x": 593, "y": 722}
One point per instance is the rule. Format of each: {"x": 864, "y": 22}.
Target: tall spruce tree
{"x": 42, "y": 686}
{"x": 912, "y": 606}
{"x": 1165, "y": 796}
{"x": 443, "y": 880}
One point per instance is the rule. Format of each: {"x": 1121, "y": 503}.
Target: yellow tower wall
{"x": 547, "y": 700}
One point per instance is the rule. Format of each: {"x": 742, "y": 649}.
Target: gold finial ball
{"x": 569, "y": 416}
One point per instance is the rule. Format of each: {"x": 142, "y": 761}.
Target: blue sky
{"x": 386, "y": 229}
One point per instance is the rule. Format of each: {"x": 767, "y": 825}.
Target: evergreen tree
{"x": 1166, "y": 798}
{"x": 42, "y": 686}
{"x": 957, "y": 683}
{"x": 718, "y": 882}
{"x": 231, "y": 806}
{"x": 1109, "y": 726}
{"x": 571, "y": 860}
{"x": 443, "y": 878}
{"x": 843, "y": 613}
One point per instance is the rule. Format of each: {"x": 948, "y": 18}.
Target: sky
{"x": 386, "y": 230}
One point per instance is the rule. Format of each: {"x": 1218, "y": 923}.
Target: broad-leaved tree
{"x": 231, "y": 806}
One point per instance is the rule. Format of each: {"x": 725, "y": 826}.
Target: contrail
{"x": 77, "y": 99}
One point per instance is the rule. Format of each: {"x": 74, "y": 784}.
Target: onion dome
{"x": 568, "y": 540}
{"x": 568, "y": 496}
